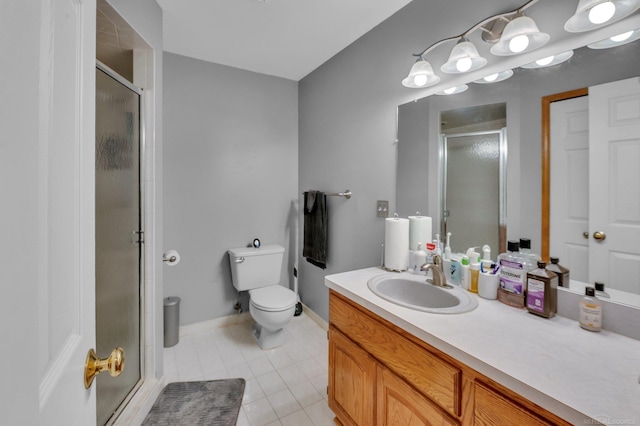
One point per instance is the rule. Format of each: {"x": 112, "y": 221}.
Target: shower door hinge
{"x": 140, "y": 236}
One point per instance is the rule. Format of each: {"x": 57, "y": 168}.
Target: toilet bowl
{"x": 258, "y": 270}
{"x": 271, "y": 308}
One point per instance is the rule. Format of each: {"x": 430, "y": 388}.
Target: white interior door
{"x": 65, "y": 209}
{"x": 614, "y": 113}
{"x": 569, "y": 191}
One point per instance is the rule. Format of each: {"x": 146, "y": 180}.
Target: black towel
{"x": 315, "y": 228}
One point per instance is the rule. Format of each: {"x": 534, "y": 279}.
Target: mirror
{"x": 419, "y": 157}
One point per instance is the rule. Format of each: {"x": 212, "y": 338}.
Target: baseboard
{"x": 214, "y": 323}
{"x": 315, "y": 318}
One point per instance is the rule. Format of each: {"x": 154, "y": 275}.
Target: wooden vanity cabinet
{"x": 381, "y": 375}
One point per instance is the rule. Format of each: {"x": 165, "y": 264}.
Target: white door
{"x": 569, "y": 191}
{"x": 48, "y": 319}
{"x": 614, "y": 114}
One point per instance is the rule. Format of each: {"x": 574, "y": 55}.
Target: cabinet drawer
{"x": 429, "y": 374}
{"x": 493, "y": 408}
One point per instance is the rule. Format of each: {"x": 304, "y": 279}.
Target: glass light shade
{"x": 453, "y": 90}
{"x": 587, "y": 17}
{"x": 421, "y": 75}
{"x": 464, "y": 57}
{"x": 549, "y": 61}
{"x": 495, "y": 78}
{"x": 618, "y": 40}
{"x": 519, "y": 36}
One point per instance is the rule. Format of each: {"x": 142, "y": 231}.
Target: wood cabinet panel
{"x": 432, "y": 376}
{"x": 352, "y": 378}
{"x": 401, "y": 405}
{"x": 493, "y": 408}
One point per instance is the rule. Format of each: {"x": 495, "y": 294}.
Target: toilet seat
{"x": 272, "y": 298}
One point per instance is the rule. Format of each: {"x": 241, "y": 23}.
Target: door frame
{"x": 141, "y": 263}
{"x": 546, "y": 160}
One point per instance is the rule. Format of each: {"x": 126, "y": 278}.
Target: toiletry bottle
{"x": 473, "y": 255}
{"x": 454, "y": 269}
{"x": 486, "y": 252}
{"x": 447, "y": 248}
{"x": 561, "y": 272}
{"x": 590, "y": 311}
{"x": 465, "y": 272}
{"x": 542, "y": 291}
{"x": 525, "y": 250}
{"x": 417, "y": 258}
{"x": 600, "y": 292}
{"x": 474, "y": 270}
{"x": 513, "y": 275}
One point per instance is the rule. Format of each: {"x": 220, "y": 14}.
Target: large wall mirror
{"x": 420, "y": 154}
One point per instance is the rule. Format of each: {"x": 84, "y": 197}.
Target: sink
{"x": 412, "y": 291}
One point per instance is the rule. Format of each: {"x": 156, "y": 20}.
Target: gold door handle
{"x": 599, "y": 235}
{"x": 585, "y": 234}
{"x": 94, "y": 365}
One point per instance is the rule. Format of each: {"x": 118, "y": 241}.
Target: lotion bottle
{"x": 465, "y": 272}
{"x": 474, "y": 270}
{"x": 590, "y": 311}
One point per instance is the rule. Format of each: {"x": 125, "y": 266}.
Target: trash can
{"x": 171, "y": 321}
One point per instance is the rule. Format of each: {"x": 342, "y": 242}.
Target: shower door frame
{"x": 142, "y": 209}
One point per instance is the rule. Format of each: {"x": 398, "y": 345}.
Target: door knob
{"x": 585, "y": 234}
{"x": 94, "y": 365}
{"x": 599, "y": 235}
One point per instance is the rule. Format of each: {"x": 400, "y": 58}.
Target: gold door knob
{"x": 94, "y": 365}
{"x": 599, "y": 235}
{"x": 585, "y": 234}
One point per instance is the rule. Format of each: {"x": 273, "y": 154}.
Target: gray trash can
{"x": 171, "y": 321}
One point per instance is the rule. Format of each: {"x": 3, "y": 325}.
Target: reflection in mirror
{"x": 418, "y": 174}
{"x": 594, "y": 149}
{"x": 473, "y": 171}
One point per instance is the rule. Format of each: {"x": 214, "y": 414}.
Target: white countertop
{"x": 576, "y": 374}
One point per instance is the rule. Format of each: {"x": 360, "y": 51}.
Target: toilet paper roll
{"x": 419, "y": 231}
{"x": 171, "y": 258}
{"x": 396, "y": 241}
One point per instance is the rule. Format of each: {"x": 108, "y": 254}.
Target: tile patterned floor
{"x": 284, "y": 386}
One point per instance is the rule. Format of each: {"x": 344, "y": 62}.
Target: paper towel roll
{"x": 171, "y": 258}
{"x": 396, "y": 241}
{"x": 419, "y": 231}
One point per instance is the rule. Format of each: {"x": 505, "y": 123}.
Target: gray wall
{"x": 230, "y": 175}
{"x": 347, "y": 111}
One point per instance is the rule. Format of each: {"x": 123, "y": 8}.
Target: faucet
{"x": 439, "y": 279}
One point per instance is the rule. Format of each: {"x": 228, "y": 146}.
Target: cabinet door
{"x": 352, "y": 379}
{"x": 400, "y": 404}
{"x": 493, "y": 408}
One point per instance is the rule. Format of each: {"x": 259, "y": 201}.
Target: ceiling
{"x": 283, "y": 38}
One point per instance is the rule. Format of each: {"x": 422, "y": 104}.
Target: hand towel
{"x": 315, "y": 228}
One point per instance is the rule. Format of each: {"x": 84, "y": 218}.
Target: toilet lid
{"x": 272, "y": 298}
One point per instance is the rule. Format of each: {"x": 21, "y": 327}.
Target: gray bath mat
{"x": 214, "y": 402}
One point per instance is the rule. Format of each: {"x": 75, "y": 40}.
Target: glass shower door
{"x": 118, "y": 238}
{"x": 472, "y": 188}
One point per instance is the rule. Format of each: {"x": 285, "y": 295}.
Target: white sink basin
{"x": 412, "y": 291}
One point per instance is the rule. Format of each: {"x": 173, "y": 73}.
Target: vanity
{"x": 494, "y": 365}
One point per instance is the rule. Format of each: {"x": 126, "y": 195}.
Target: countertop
{"x": 577, "y": 374}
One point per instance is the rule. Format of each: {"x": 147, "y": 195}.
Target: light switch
{"x": 382, "y": 208}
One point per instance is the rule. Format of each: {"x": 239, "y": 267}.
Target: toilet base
{"x": 267, "y": 339}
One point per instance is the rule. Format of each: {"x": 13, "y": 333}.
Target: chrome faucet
{"x": 438, "y": 279}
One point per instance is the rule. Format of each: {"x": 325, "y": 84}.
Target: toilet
{"x": 271, "y": 305}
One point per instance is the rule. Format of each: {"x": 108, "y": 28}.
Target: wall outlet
{"x": 382, "y": 208}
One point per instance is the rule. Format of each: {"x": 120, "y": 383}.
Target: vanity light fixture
{"x": 549, "y": 61}
{"x": 453, "y": 90}
{"x": 518, "y": 36}
{"x": 592, "y": 14}
{"x": 617, "y": 40}
{"x": 464, "y": 57}
{"x": 496, "y": 77}
{"x": 421, "y": 75}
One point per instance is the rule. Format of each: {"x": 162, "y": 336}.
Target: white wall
{"x": 230, "y": 175}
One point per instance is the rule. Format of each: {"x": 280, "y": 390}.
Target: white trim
{"x": 315, "y": 318}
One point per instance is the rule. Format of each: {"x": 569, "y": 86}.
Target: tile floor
{"x": 284, "y": 386}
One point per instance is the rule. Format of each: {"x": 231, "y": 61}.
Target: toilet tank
{"x": 256, "y": 267}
